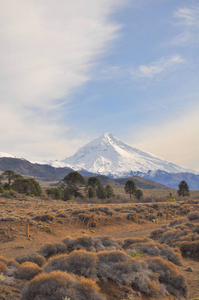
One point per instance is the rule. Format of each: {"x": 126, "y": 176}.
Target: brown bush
{"x": 36, "y": 258}
{"x": 3, "y": 259}
{"x": 91, "y": 244}
{"x": 172, "y": 236}
{"x": 190, "y": 249}
{"x": 28, "y": 270}
{"x": 45, "y": 217}
{"x": 50, "y": 249}
{"x": 168, "y": 275}
{"x": 3, "y": 267}
{"x": 193, "y": 216}
{"x": 59, "y": 285}
{"x": 153, "y": 249}
{"x": 81, "y": 263}
{"x": 12, "y": 263}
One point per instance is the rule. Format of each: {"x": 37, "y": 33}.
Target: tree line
{"x": 74, "y": 185}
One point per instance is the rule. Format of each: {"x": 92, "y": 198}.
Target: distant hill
{"x": 173, "y": 180}
{"x": 49, "y": 173}
{"x": 142, "y": 183}
{"x": 28, "y": 169}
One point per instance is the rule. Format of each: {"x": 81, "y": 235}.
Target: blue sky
{"x": 72, "y": 70}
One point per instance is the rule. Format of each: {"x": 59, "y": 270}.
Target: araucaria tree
{"x": 183, "y": 189}
{"x": 130, "y": 188}
{"x": 75, "y": 182}
{"x": 109, "y": 191}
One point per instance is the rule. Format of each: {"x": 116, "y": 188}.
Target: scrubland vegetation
{"x": 96, "y": 249}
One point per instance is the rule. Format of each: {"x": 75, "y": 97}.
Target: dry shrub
{"x": 3, "y": 259}
{"x": 177, "y": 222}
{"x": 50, "y": 249}
{"x": 151, "y": 276}
{"x": 91, "y": 244}
{"x": 78, "y": 262}
{"x": 172, "y": 236}
{"x": 12, "y": 263}
{"x": 129, "y": 241}
{"x": 59, "y": 285}
{"x": 3, "y": 267}
{"x": 153, "y": 249}
{"x": 45, "y": 217}
{"x": 196, "y": 229}
{"x": 36, "y": 258}
{"x": 174, "y": 282}
{"x": 28, "y": 270}
{"x": 190, "y": 249}
{"x": 193, "y": 216}
{"x": 157, "y": 233}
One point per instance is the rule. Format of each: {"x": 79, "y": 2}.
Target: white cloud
{"x": 155, "y": 68}
{"x": 47, "y": 50}
{"x": 188, "y": 16}
{"x": 175, "y": 140}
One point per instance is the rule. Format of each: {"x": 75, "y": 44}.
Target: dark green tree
{"x": 138, "y": 194}
{"x": 91, "y": 192}
{"x": 130, "y": 188}
{"x": 109, "y": 191}
{"x": 183, "y": 189}
{"x": 1, "y": 188}
{"x": 75, "y": 183}
{"x": 66, "y": 195}
{"x": 55, "y": 193}
{"x": 27, "y": 186}
{"x": 10, "y": 176}
{"x": 100, "y": 192}
{"x": 94, "y": 182}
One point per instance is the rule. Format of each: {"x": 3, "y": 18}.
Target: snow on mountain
{"x": 110, "y": 156}
{"x": 3, "y": 154}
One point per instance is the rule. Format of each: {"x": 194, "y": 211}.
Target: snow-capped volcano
{"x": 110, "y": 156}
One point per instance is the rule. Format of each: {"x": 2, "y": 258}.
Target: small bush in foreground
{"x": 190, "y": 248}
{"x": 3, "y": 267}
{"x": 50, "y": 249}
{"x": 3, "y": 259}
{"x": 91, "y": 244}
{"x": 59, "y": 285}
{"x": 28, "y": 270}
{"x": 36, "y": 258}
{"x": 81, "y": 263}
{"x": 193, "y": 216}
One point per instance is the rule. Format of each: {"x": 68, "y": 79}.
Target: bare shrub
{"x": 193, "y": 216}
{"x": 173, "y": 235}
{"x": 78, "y": 262}
{"x": 168, "y": 275}
{"x": 12, "y": 263}
{"x": 36, "y": 258}
{"x": 153, "y": 249}
{"x": 196, "y": 229}
{"x": 45, "y": 217}
{"x": 190, "y": 249}
{"x": 177, "y": 222}
{"x": 50, "y": 249}
{"x": 91, "y": 244}
{"x": 3, "y": 259}
{"x": 3, "y": 267}
{"x": 59, "y": 285}
{"x": 28, "y": 270}
{"x": 157, "y": 233}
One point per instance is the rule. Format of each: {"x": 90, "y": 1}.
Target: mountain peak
{"x": 108, "y": 155}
